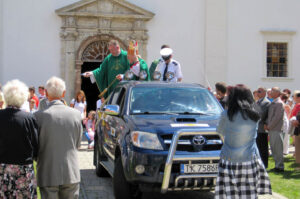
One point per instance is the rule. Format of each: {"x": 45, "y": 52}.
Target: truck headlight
{"x": 145, "y": 140}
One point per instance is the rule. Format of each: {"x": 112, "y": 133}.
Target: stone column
{"x": 78, "y": 64}
{"x": 69, "y": 68}
{"x": 144, "y": 41}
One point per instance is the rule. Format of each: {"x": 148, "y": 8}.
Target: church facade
{"x": 252, "y": 42}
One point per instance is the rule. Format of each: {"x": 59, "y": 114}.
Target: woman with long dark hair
{"x": 241, "y": 171}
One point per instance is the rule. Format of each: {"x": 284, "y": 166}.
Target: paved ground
{"x": 93, "y": 187}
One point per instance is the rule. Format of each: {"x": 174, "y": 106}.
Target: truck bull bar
{"x": 173, "y": 157}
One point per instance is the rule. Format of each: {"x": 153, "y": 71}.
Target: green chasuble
{"x": 153, "y": 67}
{"x": 143, "y": 66}
{"x": 109, "y": 69}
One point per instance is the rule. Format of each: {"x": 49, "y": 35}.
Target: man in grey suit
{"x": 60, "y": 128}
{"x": 274, "y": 126}
{"x": 262, "y": 136}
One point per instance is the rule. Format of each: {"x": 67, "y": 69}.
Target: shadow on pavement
{"x": 94, "y": 187}
{"x": 176, "y": 195}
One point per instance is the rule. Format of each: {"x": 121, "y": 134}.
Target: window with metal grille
{"x": 277, "y": 59}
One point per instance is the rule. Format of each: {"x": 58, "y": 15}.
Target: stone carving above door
{"x": 109, "y": 14}
{"x": 97, "y": 19}
{"x": 96, "y": 51}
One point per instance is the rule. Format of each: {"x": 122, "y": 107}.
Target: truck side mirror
{"x": 112, "y": 110}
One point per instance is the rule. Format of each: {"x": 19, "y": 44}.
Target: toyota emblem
{"x": 199, "y": 140}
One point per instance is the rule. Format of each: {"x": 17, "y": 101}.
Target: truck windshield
{"x": 149, "y": 100}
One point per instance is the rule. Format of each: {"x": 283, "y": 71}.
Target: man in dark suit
{"x": 262, "y": 136}
{"x": 274, "y": 126}
{"x": 59, "y": 139}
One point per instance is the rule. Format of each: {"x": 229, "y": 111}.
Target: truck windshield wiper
{"x": 193, "y": 113}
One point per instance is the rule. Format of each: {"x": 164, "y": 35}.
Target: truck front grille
{"x": 185, "y": 143}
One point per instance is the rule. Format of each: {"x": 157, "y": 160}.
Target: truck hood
{"x": 169, "y": 123}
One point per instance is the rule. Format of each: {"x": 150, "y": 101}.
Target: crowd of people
{"x": 50, "y": 136}
{"x": 278, "y": 121}
{"x": 45, "y": 129}
{"x": 241, "y": 171}
{"x": 250, "y": 122}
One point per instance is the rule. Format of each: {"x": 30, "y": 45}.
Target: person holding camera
{"x": 241, "y": 171}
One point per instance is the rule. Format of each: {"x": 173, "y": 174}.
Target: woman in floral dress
{"x": 18, "y": 144}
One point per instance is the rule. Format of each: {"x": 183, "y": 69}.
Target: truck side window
{"x": 115, "y": 96}
{"x": 121, "y": 98}
{"x": 109, "y": 99}
{"x": 121, "y": 94}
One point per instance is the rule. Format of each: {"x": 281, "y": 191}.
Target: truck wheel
{"x": 100, "y": 170}
{"x": 122, "y": 188}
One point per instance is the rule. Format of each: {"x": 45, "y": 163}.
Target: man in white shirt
{"x": 167, "y": 64}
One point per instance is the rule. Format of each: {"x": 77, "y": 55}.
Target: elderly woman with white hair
{"x": 18, "y": 144}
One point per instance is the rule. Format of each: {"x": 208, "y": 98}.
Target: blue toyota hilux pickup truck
{"x": 158, "y": 136}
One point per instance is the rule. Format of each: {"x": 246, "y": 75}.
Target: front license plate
{"x": 199, "y": 168}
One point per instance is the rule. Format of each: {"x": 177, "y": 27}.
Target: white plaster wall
{"x": 215, "y": 41}
{"x": 31, "y": 42}
{"x": 245, "y": 42}
{"x": 179, "y": 24}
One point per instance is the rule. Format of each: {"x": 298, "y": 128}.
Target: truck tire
{"x": 122, "y": 188}
{"x": 100, "y": 170}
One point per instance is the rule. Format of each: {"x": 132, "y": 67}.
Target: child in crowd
{"x": 32, "y": 107}
{"x": 89, "y": 123}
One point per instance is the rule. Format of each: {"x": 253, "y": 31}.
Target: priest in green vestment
{"x": 109, "y": 69}
{"x": 114, "y": 64}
